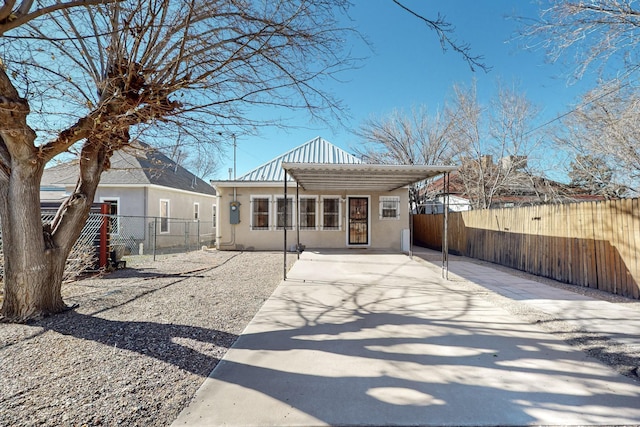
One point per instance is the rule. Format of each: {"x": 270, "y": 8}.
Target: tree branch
{"x": 16, "y": 20}
{"x": 6, "y": 9}
{"x": 443, "y": 29}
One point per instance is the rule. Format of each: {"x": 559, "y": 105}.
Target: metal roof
{"x": 363, "y": 177}
{"x": 317, "y": 150}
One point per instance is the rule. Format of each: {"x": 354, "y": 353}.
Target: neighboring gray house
{"x": 142, "y": 182}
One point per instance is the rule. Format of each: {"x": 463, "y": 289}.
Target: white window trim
{"x": 316, "y": 225}
{"x": 341, "y": 201}
{"x": 269, "y": 214}
{"x": 161, "y": 217}
{"x": 196, "y": 211}
{"x": 277, "y": 197}
{"x": 383, "y": 199}
{"x": 117, "y": 200}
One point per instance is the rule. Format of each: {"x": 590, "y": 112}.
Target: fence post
{"x": 187, "y": 225}
{"x": 155, "y": 234}
{"x": 104, "y": 211}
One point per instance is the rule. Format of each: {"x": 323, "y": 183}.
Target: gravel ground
{"x": 143, "y": 339}
{"x": 138, "y": 346}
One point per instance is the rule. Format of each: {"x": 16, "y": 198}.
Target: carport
{"x": 363, "y": 177}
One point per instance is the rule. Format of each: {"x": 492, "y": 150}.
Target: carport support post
{"x": 410, "y": 231}
{"x": 445, "y": 226}
{"x": 298, "y": 220}
{"x": 284, "y": 228}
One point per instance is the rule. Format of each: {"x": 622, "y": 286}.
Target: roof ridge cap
{"x": 280, "y": 158}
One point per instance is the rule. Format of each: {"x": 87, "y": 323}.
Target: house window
{"x": 114, "y": 219}
{"x": 164, "y": 216}
{"x": 307, "y": 213}
{"x": 213, "y": 209}
{"x": 389, "y": 207}
{"x": 280, "y": 210}
{"x": 330, "y": 213}
{"x": 196, "y": 211}
{"x": 260, "y": 213}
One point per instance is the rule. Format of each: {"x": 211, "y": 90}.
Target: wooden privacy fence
{"x": 592, "y": 244}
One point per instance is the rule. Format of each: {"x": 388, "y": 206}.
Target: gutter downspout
{"x": 233, "y": 226}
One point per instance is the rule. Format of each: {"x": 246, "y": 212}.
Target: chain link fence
{"x": 137, "y": 235}
{"x": 129, "y": 235}
{"x": 84, "y": 254}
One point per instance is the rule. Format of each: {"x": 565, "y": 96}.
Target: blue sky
{"x": 407, "y": 68}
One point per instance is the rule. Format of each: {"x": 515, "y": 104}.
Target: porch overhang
{"x": 360, "y": 176}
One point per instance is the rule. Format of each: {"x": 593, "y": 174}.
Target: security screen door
{"x": 358, "y": 221}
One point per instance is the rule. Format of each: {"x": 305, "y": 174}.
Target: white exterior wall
{"x": 131, "y": 200}
{"x": 383, "y": 233}
{"x": 456, "y": 204}
{"x": 143, "y": 203}
{"x": 181, "y": 204}
{"x": 181, "y": 207}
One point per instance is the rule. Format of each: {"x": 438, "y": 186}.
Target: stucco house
{"x": 142, "y": 184}
{"x": 330, "y": 199}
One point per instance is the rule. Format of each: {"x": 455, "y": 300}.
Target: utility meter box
{"x": 234, "y": 212}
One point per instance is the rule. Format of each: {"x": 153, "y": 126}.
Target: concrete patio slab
{"x": 367, "y": 339}
{"x": 617, "y": 321}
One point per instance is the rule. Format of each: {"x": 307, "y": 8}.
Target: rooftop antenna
{"x": 234, "y": 155}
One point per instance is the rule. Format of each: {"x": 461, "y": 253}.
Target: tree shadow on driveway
{"x": 381, "y": 355}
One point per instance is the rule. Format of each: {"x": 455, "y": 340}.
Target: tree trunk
{"x": 35, "y": 256}
{"x": 32, "y": 271}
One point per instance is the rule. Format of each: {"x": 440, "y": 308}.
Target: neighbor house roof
{"x": 524, "y": 188}
{"x": 135, "y": 165}
{"x": 317, "y": 150}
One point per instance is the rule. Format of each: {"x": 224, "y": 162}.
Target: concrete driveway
{"x": 360, "y": 338}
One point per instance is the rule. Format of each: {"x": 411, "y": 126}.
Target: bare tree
{"x": 594, "y": 175}
{"x": 476, "y": 166}
{"x": 606, "y": 128}
{"x": 418, "y": 138}
{"x": 602, "y": 36}
{"x": 201, "y": 159}
{"x": 590, "y": 34}
{"x": 13, "y": 14}
{"x": 132, "y": 68}
{"x": 494, "y": 145}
